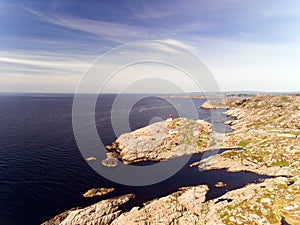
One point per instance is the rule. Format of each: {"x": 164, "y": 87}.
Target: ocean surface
{"x": 42, "y": 172}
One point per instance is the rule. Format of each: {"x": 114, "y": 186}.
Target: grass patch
{"x": 200, "y": 143}
{"x": 280, "y": 163}
{"x": 187, "y": 142}
{"x": 243, "y": 143}
{"x": 285, "y": 99}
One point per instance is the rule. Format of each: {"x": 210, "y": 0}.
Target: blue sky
{"x": 47, "y": 46}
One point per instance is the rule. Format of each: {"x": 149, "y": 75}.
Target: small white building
{"x": 170, "y": 118}
{"x": 173, "y": 131}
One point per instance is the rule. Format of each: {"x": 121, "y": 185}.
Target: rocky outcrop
{"x": 97, "y": 192}
{"x": 256, "y": 123}
{"x": 156, "y": 143}
{"x": 263, "y": 203}
{"x": 267, "y": 128}
{"x": 90, "y": 159}
{"x": 110, "y": 160}
{"x": 220, "y": 184}
{"x": 210, "y": 104}
{"x": 182, "y": 207}
{"x": 101, "y": 213}
{"x": 221, "y": 162}
{"x": 267, "y": 110}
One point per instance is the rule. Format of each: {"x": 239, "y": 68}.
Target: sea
{"x": 42, "y": 172}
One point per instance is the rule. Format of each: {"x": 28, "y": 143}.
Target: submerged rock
{"x": 110, "y": 161}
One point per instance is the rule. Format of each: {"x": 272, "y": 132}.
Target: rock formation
{"x": 156, "y": 143}
{"x": 110, "y": 160}
{"x": 264, "y": 203}
{"x": 182, "y": 207}
{"x": 220, "y": 184}
{"x": 101, "y": 213}
{"x": 97, "y": 192}
{"x": 90, "y": 159}
{"x": 267, "y": 127}
{"x": 210, "y": 104}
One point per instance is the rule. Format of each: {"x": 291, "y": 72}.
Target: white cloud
{"x": 38, "y": 71}
{"x": 180, "y": 44}
{"x": 241, "y": 42}
{"x": 111, "y": 31}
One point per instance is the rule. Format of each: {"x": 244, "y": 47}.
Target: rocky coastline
{"x": 103, "y": 212}
{"x": 267, "y": 202}
{"x": 265, "y": 126}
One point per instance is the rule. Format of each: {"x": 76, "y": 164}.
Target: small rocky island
{"x": 97, "y": 192}
{"x": 267, "y": 127}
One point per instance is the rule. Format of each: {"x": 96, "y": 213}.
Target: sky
{"x": 49, "y": 46}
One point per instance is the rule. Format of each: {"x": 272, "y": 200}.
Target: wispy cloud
{"x": 111, "y": 31}
{"x": 234, "y": 38}
{"x": 145, "y": 10}
{"x": 45, "y": 60}
{"x": 38, "y": 71}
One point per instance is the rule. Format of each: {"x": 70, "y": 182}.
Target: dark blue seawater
{"x": 42, "y": 172}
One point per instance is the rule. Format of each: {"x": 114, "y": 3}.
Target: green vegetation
{"x": 279, "y": 196}
{"x": 186, "y": 132}
{"x": 285, "y": 98}
{"x": 280, "y": 163}
{"x": 241, "y": 102}
{"x": 200, "y": 143}
{"x": 187, "y": 142}
{"x": 243, "y": 143}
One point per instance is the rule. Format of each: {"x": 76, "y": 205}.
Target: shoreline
{"x": 277, "y": 198}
